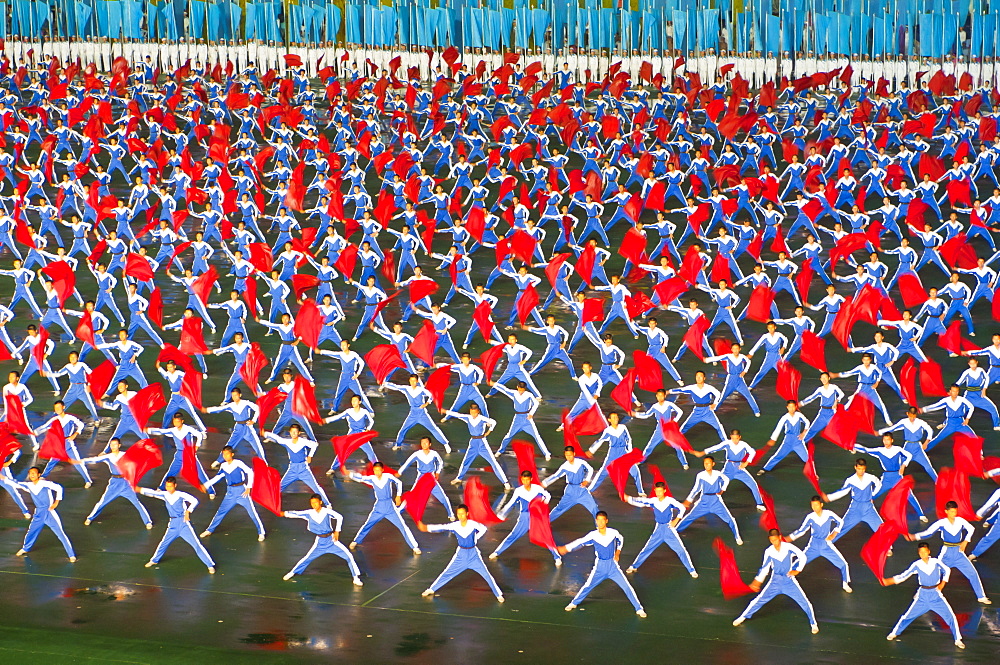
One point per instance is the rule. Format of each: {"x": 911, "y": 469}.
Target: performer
{"x": 239, "y": 481}
{"x": 607, "y": 544}
{"x": 118, "y": 487}
{"x": 522, "y": 498}
{"x": 784, "y": 562}
{"x": 325, "y": 523}
{"x": 823, "y": 526}
{"x": 46, "y": 495}
{"x": 707, "y": 498}
{"x": 387, "y": 489}
{"x": 932, "y": 575}
{"x": 956, "y": 533}
{"x": 668, "y": 513}
{"x": 180, "y": 505}
{"x": 467, "y": 555}
{"x": 578, "y": 474}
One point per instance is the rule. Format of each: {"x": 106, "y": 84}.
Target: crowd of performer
{"x": 359, "y": 207}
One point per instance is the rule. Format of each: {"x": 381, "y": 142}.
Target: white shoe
{"x": 260, "y": 537}
{"x": 996, "y": 429}
{"x": 985, "y": 601}
{"x": 960, "y": 644}
{"x": 288, "y": 576}
{"x": 891, "y": 636}
{"x": 739, "y": 541}
{"x": 72, "y": 559}
{"x": 558, "y": 562}
{"x": 416, "y": 551}
{"x": 756, "y": 415}
{"x": 456, "y": 481}
{"x": 685, "y": 467}
{"x": 761, "y": 509}
{"x": 427, "y": 593}
{"x": 570, "y": 607}
{"x": 641, "y": 614}
{"x": 447, "y": 450}
{"x": 357, "y": 581}
{"x": 149, "y": 526}
{"x": 86, "y": 522}
{"x": 353, "y": 545}
{"x": 87, "y": 486}
{"x": 211, "y": 570}
{"x": 694, "y": 574}
{"x": 150, "y": 564}
{"x": 507, "y": 487}
{"x": 21, "y": 552}
{"x": 738, "y": 620}
{"x": 814, "y": 629}
{"x": 500, "y": 599}
{"x": 548, "y": 458}
{"x": 630, "y": 570}
{"x": 493, "y": 556}
{"x": 205, "y": 534}
{"x": 847, "y": 587}
{"x": 923, "y": 519}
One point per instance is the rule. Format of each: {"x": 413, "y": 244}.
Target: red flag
{"x": 730, "y": 579}
{"x": 585, "y": 264}
{"x": 421, "y": 288}
{"x": 648, "y": 372}
{"x": 155, "y": 308}
{"x": 673, "y": 436}
{"x": 953, "y": 485}
{"x": 525, "y": 453}
{"x": 424, "y": 342}
{"x": 622, "y": 393}
{"x": 968, "y": 451}
{"x": 842, "y": 430}
{"x": 202, "y": 285}
{"x": 590, "y": 422}
{"x": 569, "y": 436}
{"x": 16, "y": 420}
{"x": 526, "y": 303}
{"x": 137, "y": 266}
{"x": 437, "y": 383}
{"x": 911, "y": 290}
{"x": 303, "y": 402}
{"x": 893, "y": 508}
{"x": 951, "y": 339}
{"x": 345, "y": 445}
{"x": 877, "y": 549}
{"x": 864, "y": 413}
{"x": 618, "y": 470}
{"x": 695, "y": 335}
{"x": 100, "y": 379}
{"x": 85, "y": 329}
{"x": 140, "y": 458}
{"x": 416, "y": 499}
{"x": 669, "y": 289}
{"x": 483, "y": 317}
{"x": 813, "y": 351}
{"x": 908, "y": 382}
{"x": 145, "y": 403}
{"x": 63, "y": 279}
{"x": 768, "y": 518}
{"x": 192, "y": 340}
{"x": 789, "y": 379}
{"x": 54, "y": 444}
{"x": 809, "y": 469}
{"x": 759, "y": 305}
{"x": 540, "y": 528}
{"x": 931, "y": 383}
{"x": 266, "y": 488}
{"x": 488, "y": 361}
{"x": 38, "y": 350}
{"x": 309, "y": 323}
{"x": 251, "y": 368}
{"x": 266, "y": 404}
{"x": 593, "y": 310}
{"x": 189, "y": 466}
{"x": 383, "y": 360}
{"x": 477, "y": 499}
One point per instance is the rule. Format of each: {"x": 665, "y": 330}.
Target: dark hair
{"x": 527, "y": 474}
{"x": 601, "y": 513}
{"x": 950, "y": 505}
{"x": 168, "y": 479}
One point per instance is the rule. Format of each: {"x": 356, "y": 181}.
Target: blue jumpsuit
{"x": 665, "y": 511}
{"x": 239, "y": 479}
{"x": 708, "y": 488}
{"x": 323, "y": 523}
{"x": 780, "y": 563}
{"x": 467, "y": 555}
{"x": 43, "y": 494}
{"x": 178, "y": 503}
{"x": 928, "y": 597}
{"x": 861, "y": 508}
{"x": 385, "y": 489}
{"x": 819, "y": 528}
{"x": 605, "y": 567}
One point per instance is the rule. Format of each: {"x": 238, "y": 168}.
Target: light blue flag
{"x": 213, "y": 16}
{"x": 522, "y": 26}
{"x": 681, "y": 38}
{"x": 540, "y": 20}
{"x": 822, "y": 29}
{"x": 506, "y": 26}
{"x": 352, "y": 25}
{"x": 710, "y": 28}
{"x": 333, "y": 18}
